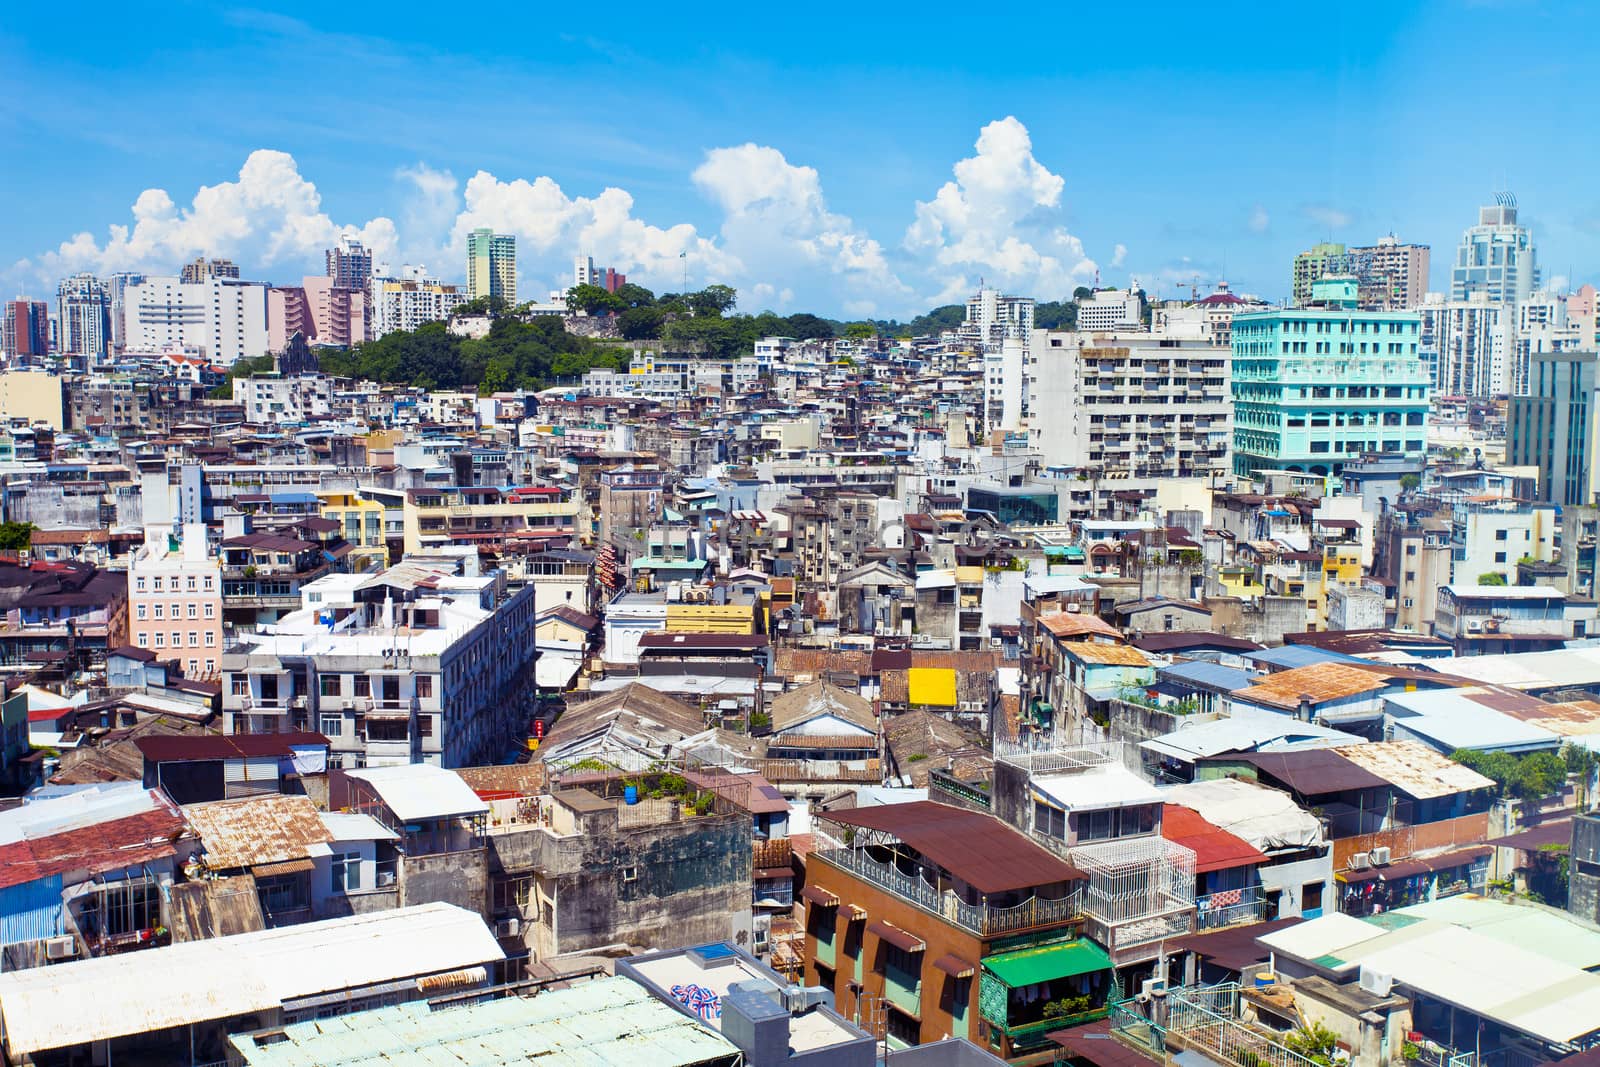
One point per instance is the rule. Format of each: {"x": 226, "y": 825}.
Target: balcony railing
{"x": 1227, "y": 907}
{"x": 982, "y": 919}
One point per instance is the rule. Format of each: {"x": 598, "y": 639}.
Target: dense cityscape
{"x": 524, "y": 633}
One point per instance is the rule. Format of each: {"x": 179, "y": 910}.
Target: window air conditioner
{"x": 60, "y": 948}
{"x": 1360, "y": 861}
{"x": 508, "y": 927}
{"x": 1380, "y": 856}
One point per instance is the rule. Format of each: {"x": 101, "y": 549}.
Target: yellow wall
{"x": 711, "y": 618}
{"x": 32, "y": 395}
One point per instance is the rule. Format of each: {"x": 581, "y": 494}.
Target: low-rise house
{"x": 1482, "y": 619}
{"x": 87, "y": 872}
{"x": 194, "y": 768}
{"x": 651, "y": 860}
{"x": 179, "y": 1003}
{"x": 953, "y": 922}
{"x": 628, "y": 729}
{"x": 439, "y": 824}
{"x": 274, "y": 840}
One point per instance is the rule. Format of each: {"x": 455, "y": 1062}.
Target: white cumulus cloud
{"x": 1001, "y": 220}
{"x": 1259, "y": 219}
{"x": 1327, "y": 216}
{"x": 776, "y": 220}
{"x": 271, "y": 215}
{"x": 551, "y": 227}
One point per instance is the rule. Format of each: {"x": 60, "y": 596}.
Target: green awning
{"x": 1031, "y": 965}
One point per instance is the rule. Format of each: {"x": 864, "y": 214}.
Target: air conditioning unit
{"x": 1380, "y": 857}
{"x": 1474, "y": 626}
{"x": 1360, "y": 861}
{"x": 508, "y": 927}
{"x": 60, "y": 948}
{"x": 1151, "y": 986}
{"x": 1378, "y": 983}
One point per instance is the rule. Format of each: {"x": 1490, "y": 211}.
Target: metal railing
{"x": 1227, "y": 907}
{"x": 1206, "y": 1018}
{"x": 983, "y": 919}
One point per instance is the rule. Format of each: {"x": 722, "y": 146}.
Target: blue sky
{"x": 862, "y": 161}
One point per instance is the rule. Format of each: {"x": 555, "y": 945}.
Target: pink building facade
{"x": 175, "y": 600}
{"x": 320, "y": 311}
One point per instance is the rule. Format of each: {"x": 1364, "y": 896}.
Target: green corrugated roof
{"x": 1030, "y": 965}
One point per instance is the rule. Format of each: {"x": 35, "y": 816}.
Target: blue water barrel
{"x": 630, "y": 794}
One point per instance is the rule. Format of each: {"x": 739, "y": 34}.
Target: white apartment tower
{"x": 224, "y": 318}
{"x": 1496, "y": 257}
{"x": 83, "y": 308}
{"x": 406, "y": 302}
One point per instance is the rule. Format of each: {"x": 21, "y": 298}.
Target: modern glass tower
{"x": 1496, "y": 257}
{"x": 1320, "y": 385}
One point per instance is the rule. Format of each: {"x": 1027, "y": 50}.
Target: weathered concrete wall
{"x": 657, "y": 886}
{"x": 1583, "y": 892}
{"x": 460, "y": 878}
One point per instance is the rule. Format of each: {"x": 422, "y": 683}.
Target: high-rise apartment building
{"x": 27, "y": 329}
{"x": 1318, "y": 385}
{"x": 1471, "y": 346}
{"x": 320, "y": 311}
{"x": 406, "y": 302}
{"x": 1001, "y": 328}
{"x": 203, "y": 268}
{"x": 1390, "y": 274}
{"x": 1496, "y": 257}
{"x": 1111, "y": 309}
{"x": 1316, "y": 261}
{"x": 1131, "y": 404}
{"x": 492, "y": 265}
{"x": 223, "y": 318}
{"x": 118, "y": 287}
{"x": 584, "y": 272}
{"x": 1556, "y": 426}
{"x": 83, "y": 308}
{"x": 350, "y": 265}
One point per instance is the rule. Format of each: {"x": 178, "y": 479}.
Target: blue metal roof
{"x": 1200, "y": 674}
{"x": 1291, "y": 656}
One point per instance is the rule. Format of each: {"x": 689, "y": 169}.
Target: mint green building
{"x": 1314, "y": 386}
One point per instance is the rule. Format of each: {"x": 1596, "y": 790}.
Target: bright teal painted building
{"x": 1318, "y": 385}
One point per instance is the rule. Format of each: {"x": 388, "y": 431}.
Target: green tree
{"x": 16, "y": 536}
{"x": 806, "y": 327}
{"x": 1410, "y": 483}
{"x": 860, "y": 331}
{"x": 1055, "y": 315}
{"x": 1526, "y": 777}
{"x": 712, "y": 301}
{"x": 1491, "y": 578}
{"x": 1082, "y": 293}
{"x": 593, "y": 300}
{"x": 1315, "y": 1042}
{"x": 641, "y": 323}
{"x": 635, "y": 296}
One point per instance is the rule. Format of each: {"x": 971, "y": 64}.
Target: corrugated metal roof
{"x": 598, "y": 1023}
{"x": 420, "y": 791}
{"x": 259, "y": 830}
{"x": 1415, "y": 769}
{"x": 198, "y": 981}
{"x": 977, "y": 848}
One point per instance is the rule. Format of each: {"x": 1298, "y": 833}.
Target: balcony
{"x": 981, "y": 919}
{"x": 1229, "y": 907}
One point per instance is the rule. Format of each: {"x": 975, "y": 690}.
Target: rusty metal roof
{"x": 1420, "y": 772}
{"x": 258, "y": 830}
{"x": 1320, "y": 682}
{"x": 977, "y": 848}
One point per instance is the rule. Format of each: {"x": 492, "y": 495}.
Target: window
{"x": 1048, "y": 820}
{"x": 138, "y": 585}
{"x": 346, "y": 868}
{"x": 1500, "y": 535}
{"x": 208, "y": 583}
{"x": 161, "y": 639}
{"x": 194, "y": 611}
{"x": 194, "y": 667}
{"x": 1311, "y": 897}
{"x": 194, "y": 638}
{"x": 211, "y": 638}
{"x": 159, "y": 609}
{"x": 211, "y": 611}
{"x": 363, "y": 685}
{"x": 331, "y": 724}
{"x": 331, "y": 685}
{"x": 177, "y": 639}
{"x": 1499, "y": 557}
{"x": 141, "y": 612}
{"x": 143, "y": 639}
{"x": 424, "y": 725}
{"x": 211, "y": 664}
{"x": 424, "y": 686}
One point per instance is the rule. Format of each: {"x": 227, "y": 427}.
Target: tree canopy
{"x": 1524, "y": 777}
